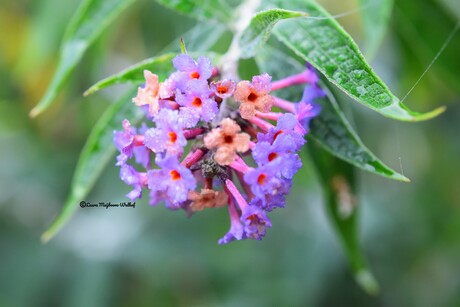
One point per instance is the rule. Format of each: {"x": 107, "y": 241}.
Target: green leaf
{"x": 376, "y": 16}
{"x": 199, "y": 38}
{"x": 320, "y": 40}
{"x": 96, "y": 153}
{"x": 160, "y": 65}
{"x": 330, "y": 129}
{"x": 90, "y": 20}
{"x": 258, "y": 31}
{"x": 339, "y": 186}
{"x": 200, "y": 9}
{"x": 334, "y": 133}
{"x": 452, "y": 7}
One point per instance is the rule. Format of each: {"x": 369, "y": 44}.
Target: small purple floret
{"x": 168, "y": 136}
{"x": 255, "y": 222}
{"x": 173, "y": 179}
{"x": 133, "y": 178}
{"x": 196, "y": 102}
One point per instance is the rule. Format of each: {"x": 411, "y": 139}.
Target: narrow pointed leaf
{"x": 259, "y": 30}
{"x": 96, "y": 153}
{"x": 334, "y": 133}
{"x": 200, "y": 9}
{"x": 320, "y": 40}
{"x": 376, "y": 16}
{"x": 91, "y": 19}
{"x": 200, "y": 38}
{"x": 339, "y": 186}
{"x": 160, "y": 65}
{"x": 330, "y": 129}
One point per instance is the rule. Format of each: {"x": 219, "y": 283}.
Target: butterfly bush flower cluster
{"x": 210, "y": 142}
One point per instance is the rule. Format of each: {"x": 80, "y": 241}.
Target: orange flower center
{"x": 196, "y": 102}
{"x": 252, "y": 97}
{"x": 228, "y": 139}
{"x": 221, "y": 89}
{"x": 272, "y": 156}
{"x": 276, "y": 134}
{"x": 195, "y": 75}
{"x": 175, "y": 175}
{"x": 172, "y": 137}
{"x": 261, "y": 179}
{"x": 252, "y": 217}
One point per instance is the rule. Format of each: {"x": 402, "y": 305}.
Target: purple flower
{"x": 276, "y": 199}
{"x": 278, "y": 155}
{"x": 255, "y": 222}
{"x": 311, "y": 92}
{"x": 236, "y": 231}
{"x": 286, "y": 125}
{"x": 173, "y": 180}
{"x": 263, "y": 180}
{"x": 306, "y": 109}
{"x": 133, "y": 178}
{"x": 196, "y": 102}
{"x": 123, "y": 141}
{"x": 262, "y": 83}
{"x": 142, "y": 153}
{"x": 201, "y": 69}
{"x": 129, "y": 143}
{"x": 282, "y": 147}
{"x": 168, "y": 135}
{"x": 170, "y": 85}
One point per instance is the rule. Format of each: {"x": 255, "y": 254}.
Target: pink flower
{"x": 207, "y": 199}
{"x": 148, "y": 95}
{"x": 227, "y": 140}
{"x": 254, "y": 96}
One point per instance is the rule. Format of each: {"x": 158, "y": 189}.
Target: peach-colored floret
{"x": 228, "y": 140}
{"x": 207, "y": 199}
{"x": 252, "y": 97}
{"x": 148, "y": 95}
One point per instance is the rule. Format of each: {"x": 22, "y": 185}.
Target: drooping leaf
{"x": 96, "y": 153}
{"x": 320, "y": 40}
{"x": 90, "y": 20}
{"x": 160, "y": 65}
{"x": 376, "y": 16}
{"x": 258, "y": 31}
{"x": 330, "y": 129}
{"x": 201, "y": 9}
{"x": 339, "y": 186}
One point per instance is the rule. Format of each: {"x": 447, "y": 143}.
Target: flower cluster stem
{"x": 302, "y": 78}
{"x": 192, "y": 158}
{"x": 284, "y": 104}
{"x": 236, "y": 194}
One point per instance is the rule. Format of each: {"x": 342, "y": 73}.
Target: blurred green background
{"x": 155, "y": 257}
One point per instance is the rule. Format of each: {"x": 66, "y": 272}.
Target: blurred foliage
{"x": 151, "y": 256}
